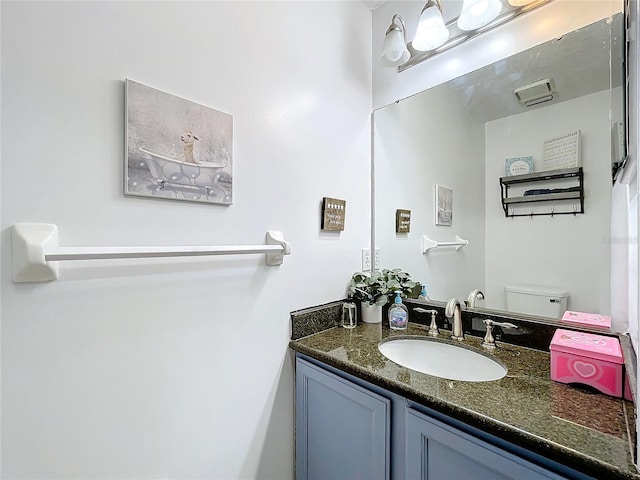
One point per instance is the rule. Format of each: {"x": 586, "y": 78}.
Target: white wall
{"x": 622, "y": 292}
{"x": 544, "y": 250}
{"x": 412, "y": 156}
{"x": 534, "y": 28}
{"x": 173, "y": 368}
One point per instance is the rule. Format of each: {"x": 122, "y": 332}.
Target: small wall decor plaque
{"x": 562, "y": 151}
{"x": 518, "y": 166}
{"x": 444, "y": 205}
{"x": 333, "y": 213}
{"x": 176, "y": 149}
{"x": 403, "y": 221}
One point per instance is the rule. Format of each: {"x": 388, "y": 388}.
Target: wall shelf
{"x": 562, "y": 196}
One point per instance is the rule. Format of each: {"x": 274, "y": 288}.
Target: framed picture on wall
{"x": 176, "y": 149}
{"x": 444, "y": 205}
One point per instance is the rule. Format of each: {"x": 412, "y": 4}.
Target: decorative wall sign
{"x": 562, "y": 151}
{"x": 518, "y": 166}
{"x": 176, "y": 149}
{"x": 333, "y": 212}
{"x": 444, "y": 205}
{"x": 403, "y": 221}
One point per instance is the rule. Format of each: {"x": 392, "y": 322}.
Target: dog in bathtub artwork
{"x": 177, "y": 149}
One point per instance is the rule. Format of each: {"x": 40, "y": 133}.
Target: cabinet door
{"x": 436, "y": 451}
{"x": 342, "y": 429}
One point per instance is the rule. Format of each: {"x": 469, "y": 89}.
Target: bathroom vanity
{"x": 360, "y": 415}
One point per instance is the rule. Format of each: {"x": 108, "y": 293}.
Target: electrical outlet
{"x": 376, "y": 259}
{"x": 366, "y": 259}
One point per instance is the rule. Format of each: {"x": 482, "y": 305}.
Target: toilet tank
{"x": 536, "y": 300}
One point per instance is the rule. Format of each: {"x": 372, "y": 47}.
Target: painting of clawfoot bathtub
{"x": 176, "y": 149}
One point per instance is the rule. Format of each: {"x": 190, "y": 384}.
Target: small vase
{"x": 371, "y": 313}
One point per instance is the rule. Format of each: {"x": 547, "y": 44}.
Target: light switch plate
{"x": 366, "y": 259}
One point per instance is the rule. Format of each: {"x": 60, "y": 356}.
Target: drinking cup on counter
{"x": 349, "y": 315}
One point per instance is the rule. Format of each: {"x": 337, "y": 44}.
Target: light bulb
{"x": 431, "y": 31}
{"x": 394, "y": 50}
{"x": 478, "y": 13}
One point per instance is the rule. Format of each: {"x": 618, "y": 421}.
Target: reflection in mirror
{"x": 460, "y": 134}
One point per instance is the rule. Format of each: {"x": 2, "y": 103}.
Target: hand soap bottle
{"x": 423, "y": 293}
{"x": 398, "y": 314}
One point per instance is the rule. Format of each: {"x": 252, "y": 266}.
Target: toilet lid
{"x": 537, "y": 290}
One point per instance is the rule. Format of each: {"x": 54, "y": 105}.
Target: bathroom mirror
{"x": 460, "y": 135}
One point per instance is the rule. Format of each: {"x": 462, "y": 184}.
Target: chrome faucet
{"x": 489, "y": 342}
{"x": 473, "y": 297}
{"x": 453, "y": 310}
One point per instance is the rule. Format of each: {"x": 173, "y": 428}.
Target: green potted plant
{"x": 377, "y": 289}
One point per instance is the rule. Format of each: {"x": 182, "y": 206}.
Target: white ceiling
{"x": 373, "y": 4}
{"x": 579, "y": 63}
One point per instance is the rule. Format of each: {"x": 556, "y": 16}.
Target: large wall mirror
{"x": 460, "y": 134}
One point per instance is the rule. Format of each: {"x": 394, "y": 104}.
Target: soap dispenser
{"x": 398, "y": 314}
{"x": 423, "y": 293}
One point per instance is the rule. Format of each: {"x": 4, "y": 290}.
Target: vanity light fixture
{"x": 478, "y": 13}
{"x": 434, "y": 37}
{"x": 394, "y": 48}
{"x": 431, "y": 31}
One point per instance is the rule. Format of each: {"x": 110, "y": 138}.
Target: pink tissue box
{"x": 595, "y": 360}
{"x": 588, "y": 319}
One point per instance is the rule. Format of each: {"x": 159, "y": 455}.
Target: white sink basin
{"x": 443, "y": 360}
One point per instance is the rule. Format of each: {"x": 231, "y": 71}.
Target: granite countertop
{"x": 584, "y": 430}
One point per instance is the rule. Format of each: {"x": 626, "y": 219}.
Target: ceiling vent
{"x": 536, "y": 92}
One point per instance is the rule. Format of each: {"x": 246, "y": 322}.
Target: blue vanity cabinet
{"x": 437, "y": 451}
{"x": 347, "y": 428}
{"x": 342, "y": 429}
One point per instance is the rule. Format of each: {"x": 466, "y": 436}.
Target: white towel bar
{"x": 428, "y": 244}
{"x": 35, "y": 251}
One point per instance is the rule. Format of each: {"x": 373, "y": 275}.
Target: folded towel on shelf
{"x": 545, "y": 191}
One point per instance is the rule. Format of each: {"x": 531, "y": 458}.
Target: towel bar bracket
{"x": 277, "y": 238}
{"x": 29, "y": 241}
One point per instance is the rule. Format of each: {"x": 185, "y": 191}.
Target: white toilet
{"x": 536, "y": 300}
